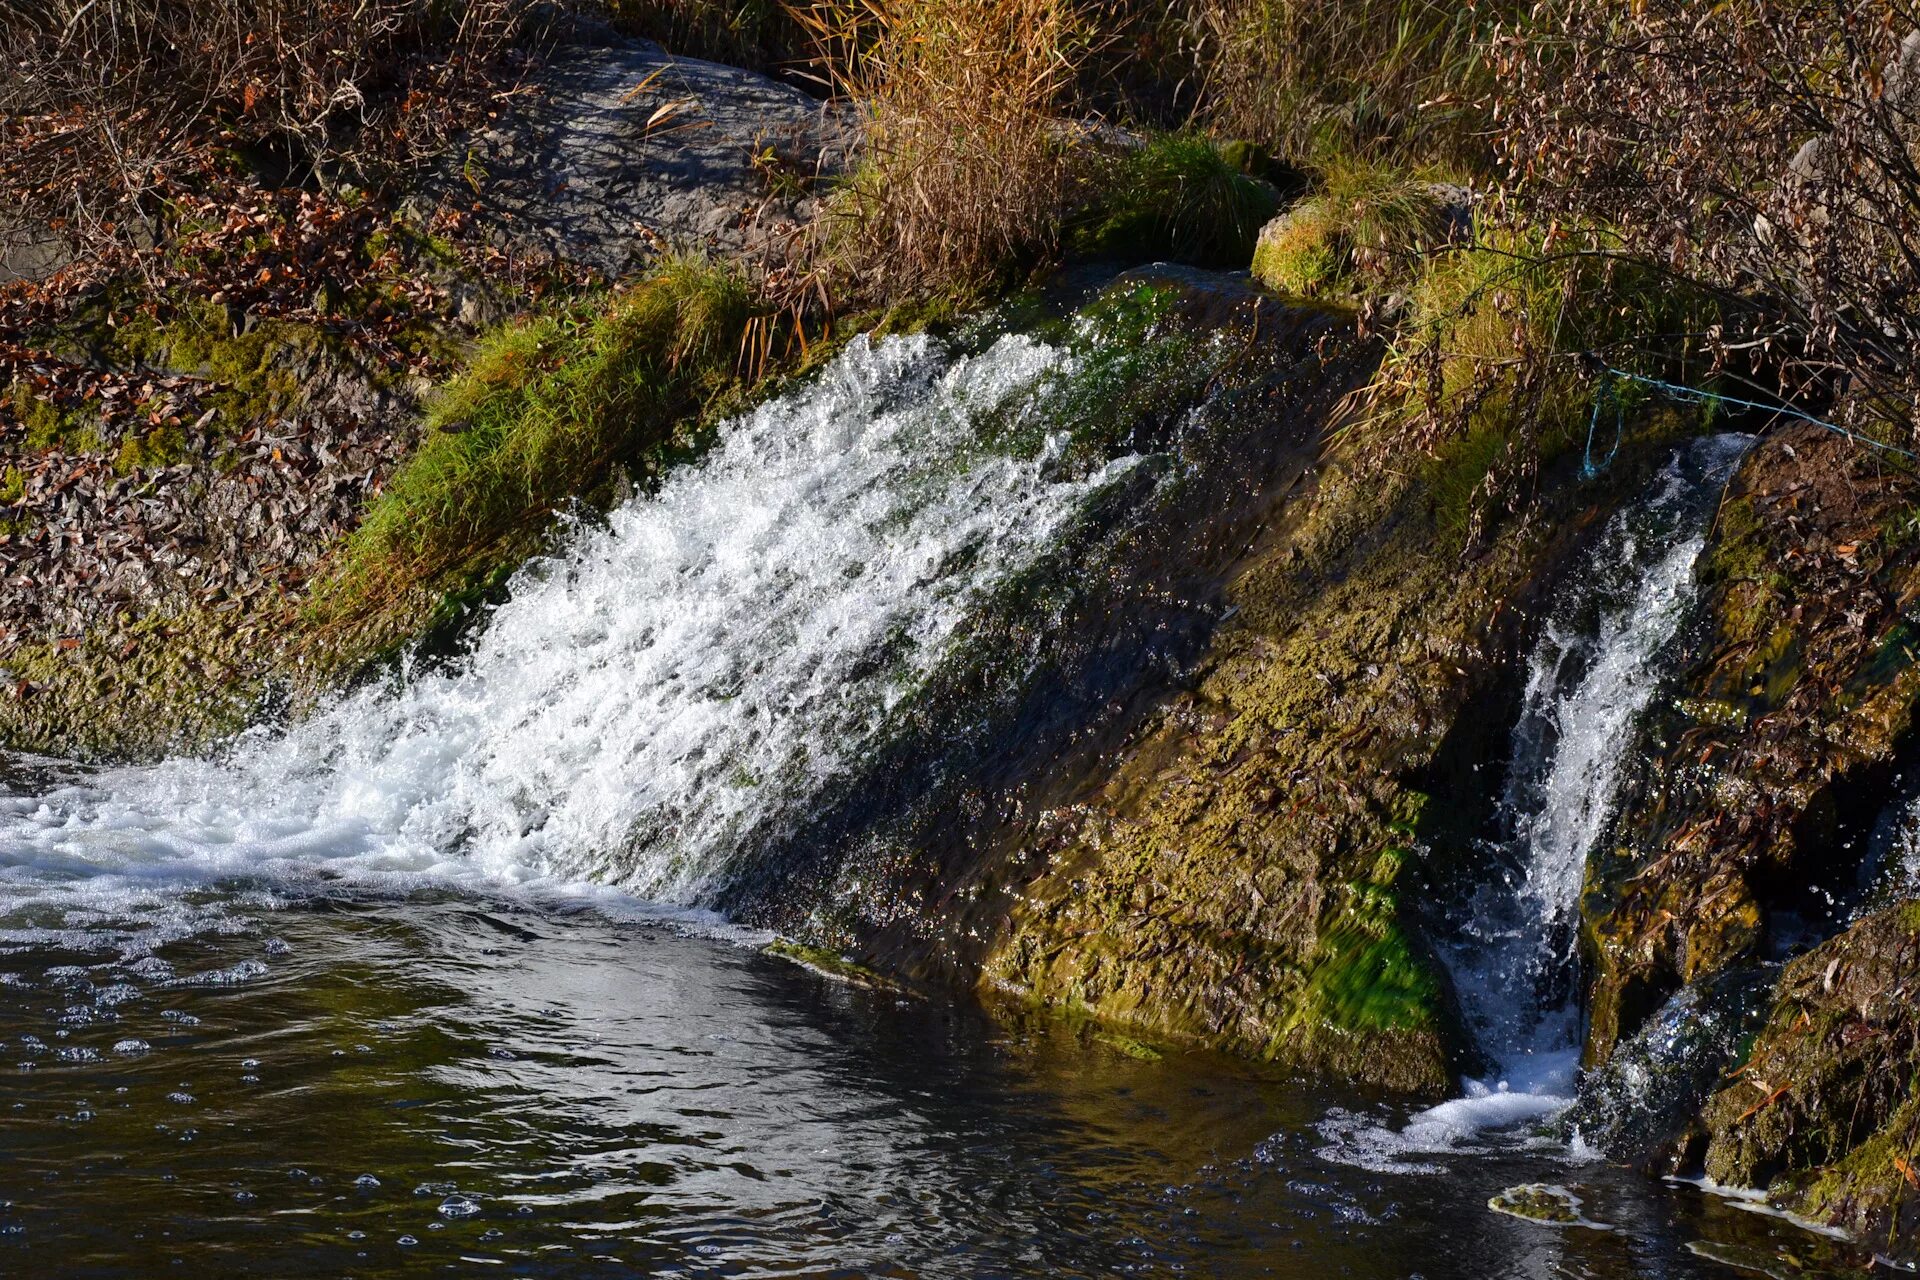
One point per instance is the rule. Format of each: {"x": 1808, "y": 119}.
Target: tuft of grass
{"x": 547, "y": 409}
{"x": 1392, "y": 80}
{"x": 963, "y": 182}
{"x": 1368, "y": 227}
{"x": 1181, "y": 196}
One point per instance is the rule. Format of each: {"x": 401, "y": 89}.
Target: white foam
{"x": 649, "y": 703}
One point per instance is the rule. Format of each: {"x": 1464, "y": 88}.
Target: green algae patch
{"x": 1138, "y": 1050}
{"x": 832, "y": 964}
{"x": 1544, "y": 1203}
{"x": 1364, "y": 983}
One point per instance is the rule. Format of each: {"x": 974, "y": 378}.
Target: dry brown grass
{"x": 1400, "y": 80}
{"x": 963, "y": 178}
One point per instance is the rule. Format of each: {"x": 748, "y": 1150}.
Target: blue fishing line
{"x": 1674, "y": 391}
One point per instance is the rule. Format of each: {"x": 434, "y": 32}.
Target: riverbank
{"x": 1180, "y": 614}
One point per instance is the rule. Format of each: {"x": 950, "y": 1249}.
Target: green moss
{"x": 1304, "y": 255}
{"x": 151, "y": 450}
{"x": 48, "y": 426}
{"x": 831, "y": 964}
{"x": 1179, "y": 197}
{"x": 13, "y": 485}
{"x": 1367, "y": 228}
{"x": 547, "y": 409}
{"x": 1739, "y": 552}
{"x": 256, "y": 369}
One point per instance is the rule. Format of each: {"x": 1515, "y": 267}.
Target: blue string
{"x": 1590, "y": 468}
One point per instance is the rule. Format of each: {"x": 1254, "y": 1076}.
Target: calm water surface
{"x": 258, "y": 1083}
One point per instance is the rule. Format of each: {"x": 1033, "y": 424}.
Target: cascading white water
{"x": 1592, "y": 674}
{"x": 674, "y": 679}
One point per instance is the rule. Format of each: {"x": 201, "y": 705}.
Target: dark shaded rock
{"x": 1642, "y": 1107}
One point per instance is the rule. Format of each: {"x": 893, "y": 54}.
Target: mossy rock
{"x": 832, "y": 964}
{"x": 1794, "y": 691}
{"x": 1540, "y": 1202}
{"x": 176, "y": 681}
{"x": 1366, "y": 235}
{"x": 1824, "y": 1113}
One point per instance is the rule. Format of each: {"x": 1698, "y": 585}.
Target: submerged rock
{"x": 1543, "y": 1203}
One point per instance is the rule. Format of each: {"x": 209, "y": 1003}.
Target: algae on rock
{"x": 1234, "y": 880}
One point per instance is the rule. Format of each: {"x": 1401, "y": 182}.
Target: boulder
{"x": 623, "y": 151}
{"x": 1823, "y": 1114}
{"x": 1361, "y": 243}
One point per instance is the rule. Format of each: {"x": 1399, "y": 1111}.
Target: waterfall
{"x": 669, "y": 686}
{"x": 1593, "y": 671}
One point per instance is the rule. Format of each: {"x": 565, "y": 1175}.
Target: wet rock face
{"x": 1643, "y": 1106}
{"x": 1240, "y": 871}
{"x": 1748, "y": 815}
{"x": 1825, "y": 1112}
{"x": 622, "y": 151}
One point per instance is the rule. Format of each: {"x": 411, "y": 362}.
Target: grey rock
{"x": 627, "y": 152}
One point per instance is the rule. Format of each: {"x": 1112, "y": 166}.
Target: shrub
{"x": 1763, "y": 152}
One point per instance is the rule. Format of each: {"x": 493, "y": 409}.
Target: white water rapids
{"x": 676, "y": 678}
{"x": 1592, "y": 673}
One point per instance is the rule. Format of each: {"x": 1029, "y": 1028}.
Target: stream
{"x": 438, "y": 979}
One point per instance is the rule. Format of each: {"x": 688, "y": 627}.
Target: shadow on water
{"x": 453, "y": 1085}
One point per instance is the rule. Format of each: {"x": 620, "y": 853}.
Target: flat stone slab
{"x": 624, "y": 152}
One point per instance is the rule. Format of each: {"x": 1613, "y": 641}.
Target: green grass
{"x": 545, "y": 411}
{"x": 1180, "y": 197}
